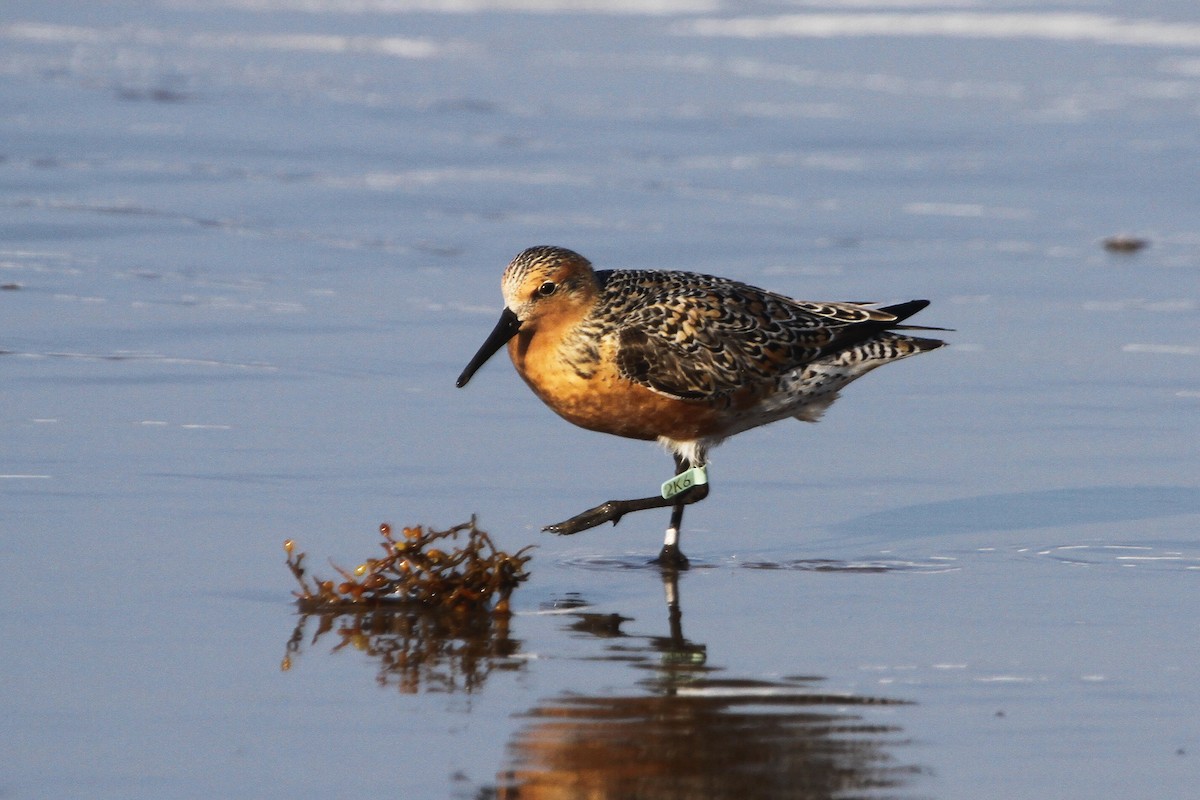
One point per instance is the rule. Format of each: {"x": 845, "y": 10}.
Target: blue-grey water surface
{"x": 246, "y": 246}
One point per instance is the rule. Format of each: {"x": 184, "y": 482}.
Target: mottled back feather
{"x": 701, "y": 337}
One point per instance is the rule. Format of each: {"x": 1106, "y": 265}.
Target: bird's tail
{"x": 822, "y": 380}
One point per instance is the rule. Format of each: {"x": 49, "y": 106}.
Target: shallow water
{"x": 246, "y": 247}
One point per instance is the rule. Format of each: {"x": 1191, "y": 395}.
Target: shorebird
{"x": 681, "y": 358}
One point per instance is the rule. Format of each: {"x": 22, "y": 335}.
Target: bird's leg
{"x": 613, "y": 510}
{"x": 671, "y": 557}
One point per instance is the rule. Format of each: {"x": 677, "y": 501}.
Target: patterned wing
{"x": 702, "y": 337}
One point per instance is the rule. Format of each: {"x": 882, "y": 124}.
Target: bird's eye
{"x": 547, "y": 288}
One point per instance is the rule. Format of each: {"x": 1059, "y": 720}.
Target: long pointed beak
{"x": 505, "y": 329}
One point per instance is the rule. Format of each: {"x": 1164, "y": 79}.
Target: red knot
{"x": 681, "y": 358}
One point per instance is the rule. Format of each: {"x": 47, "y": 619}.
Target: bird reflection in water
{"x": 686, "y": 731}
{"x": 696, "y": 734}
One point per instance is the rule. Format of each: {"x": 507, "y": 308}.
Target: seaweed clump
{"x": 475, "y": 577}
{"x": 433, "y": 612}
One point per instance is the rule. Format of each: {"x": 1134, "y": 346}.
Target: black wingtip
{"x": 902, "y": 311}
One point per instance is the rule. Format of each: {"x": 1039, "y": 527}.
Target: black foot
{"x": 671, "y": 558}
{"x": 605, "y": 512}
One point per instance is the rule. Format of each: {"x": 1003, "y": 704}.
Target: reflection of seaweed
{"x": 419, "y": 649}
{"x": 413, "y": 572}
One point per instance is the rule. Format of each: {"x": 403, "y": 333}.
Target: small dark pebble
{"x": 1125, "y": 244}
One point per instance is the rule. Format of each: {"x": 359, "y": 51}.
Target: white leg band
{"x": 672, "y": 537}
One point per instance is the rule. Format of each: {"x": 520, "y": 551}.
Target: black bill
{"x": 505, "y": 329}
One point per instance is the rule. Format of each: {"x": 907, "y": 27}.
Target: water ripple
{"x": 1165, "y": 557}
